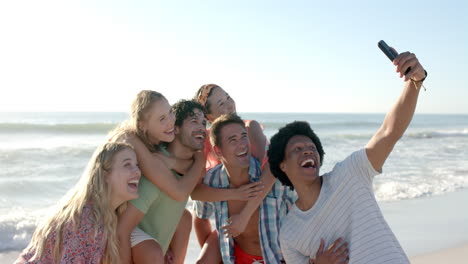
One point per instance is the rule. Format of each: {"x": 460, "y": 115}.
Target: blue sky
{"x": 271, "y": 56}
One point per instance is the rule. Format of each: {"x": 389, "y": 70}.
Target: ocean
{"x": 42, "y": 155}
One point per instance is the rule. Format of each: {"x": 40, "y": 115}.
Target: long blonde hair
{"x": 138, "y": 112}
{"x": 91, "y": 188}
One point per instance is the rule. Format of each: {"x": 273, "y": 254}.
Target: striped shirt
{"x": 346, "y": 207}
{"x": 272, "y": 210}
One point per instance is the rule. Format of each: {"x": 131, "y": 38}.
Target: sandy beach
{"x": 454, "y": 255}
{"x": 8, "y": 257}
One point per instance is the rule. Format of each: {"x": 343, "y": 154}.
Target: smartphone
{"x": 386, "y": 50}
{"x": 390, "y": 53}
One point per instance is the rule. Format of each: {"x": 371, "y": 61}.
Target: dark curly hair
{"x": 278, "y": 144}
{"x": 183, "y": 109}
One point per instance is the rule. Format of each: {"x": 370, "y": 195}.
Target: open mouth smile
{"x": 242, "y": 154}
{"x": 308, "y": 163}
{"x": 199, "y": 135}
{"x": 133, "y": 184}
{"x": 170, "y": 131}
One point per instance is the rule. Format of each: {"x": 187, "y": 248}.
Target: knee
{"x": 155, "y": 255}
{"x": 147, "y": 252}
{"x": 158, "y": 253}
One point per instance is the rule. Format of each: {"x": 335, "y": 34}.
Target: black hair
{"x": 278, "y": 142}
{"x": 183, "y": 109}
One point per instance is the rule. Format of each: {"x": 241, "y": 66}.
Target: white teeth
{"x": 308, "y": 161}
{"x": 242, "y": 153}
{"x": 133, "y": 181}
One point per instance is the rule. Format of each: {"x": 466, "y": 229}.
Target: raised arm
{"x": 181, "y": 166}
{"x": 399, "y": 117}
{"x": 257, "y": 139}
{"x": 205, "y": 193}
{"x": 160, "y": 175}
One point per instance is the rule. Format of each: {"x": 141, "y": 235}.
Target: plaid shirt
{"x": 275, "y": 206}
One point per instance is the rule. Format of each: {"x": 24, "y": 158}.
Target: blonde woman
{"x": 157, "y": 224}
{"x": 83, "y": 227}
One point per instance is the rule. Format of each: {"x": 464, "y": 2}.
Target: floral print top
{"x": 83, "y": 245}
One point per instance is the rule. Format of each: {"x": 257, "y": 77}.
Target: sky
{"x": 271, "y": 56}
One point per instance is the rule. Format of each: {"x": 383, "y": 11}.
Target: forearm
{"x": 244, "y": 192}
{"x": 188, "y": 182}
{"x": 182, "y": 166}
{"x": 393, "y": 127}
{"x": 257, "y": 139}
{"x": 268, "y": 180}
{"x": 398, "y": 119}
{"x": 205, "y": 193}
{"x": 123, "y": 234}
{"x": 125, "y": 250}
{"x": 237, "y": 223}
{"x": 179, "y": 165}
{"x": 155, "y": 170}
{"x": 127, "y": 222}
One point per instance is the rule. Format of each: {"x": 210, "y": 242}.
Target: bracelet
{"x": 422, "y": 80}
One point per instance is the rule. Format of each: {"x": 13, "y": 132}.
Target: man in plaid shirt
{"x": 259, "y": 243}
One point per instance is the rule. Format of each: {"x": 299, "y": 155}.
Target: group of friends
{"x": 270, "y": 202}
